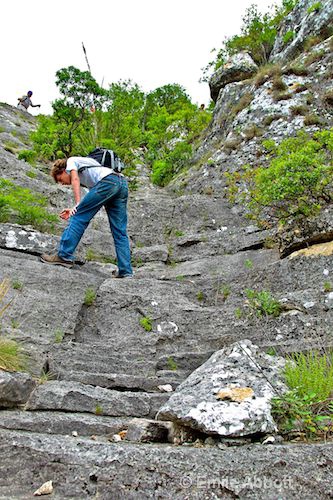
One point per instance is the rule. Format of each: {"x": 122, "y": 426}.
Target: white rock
{"x": 166, "y": 388}
{"x": 116, "y": 438}
{"x": 45, "y": 489}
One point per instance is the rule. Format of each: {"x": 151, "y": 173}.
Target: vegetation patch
{"x": 21, "y": 206}
{"x": 297, "y": 182}
{"x": 147, "y": 323}
{"x": 308, "y": 406}
{"x": 12, "y": 357}
{"x": 262, "y": 303}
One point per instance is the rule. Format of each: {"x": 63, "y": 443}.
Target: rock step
{"x": 55, "y": 422}
{"x": 82, "y": 468}
{"x": 77, "y": 357}
{"x": 78, "y": 397}
{"x": 122, "y": 382}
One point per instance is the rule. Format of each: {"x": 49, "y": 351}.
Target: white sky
{"x": 152, "y": 42}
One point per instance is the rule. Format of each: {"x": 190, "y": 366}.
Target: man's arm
{"x": 75, "y": 182}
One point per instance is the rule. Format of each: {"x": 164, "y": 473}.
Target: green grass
{"x": 146, "y": 323}
{"x": 12, "y": 357}
{"x": 262, "y": 303}
{"x": 89, "y": 296}
{"x": 21, "y": 206}
{"x": 308, "y": 406}
{"x": 311, "y": 373}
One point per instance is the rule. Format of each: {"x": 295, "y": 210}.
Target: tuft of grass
{"x": 89, "y": 296}
{"x": 271, "y": 118}
{"x": 200, "y": 296}
{"x": 4, "y": 288}
{"x": 172, "y": 365}
{"x": 17, "y": 285}
{"x": 58, "y": 336}
{"x": 281, "y": 96}
{"x": 12, "y": 357}
{"x": 147, "y": 323}
{"x": 328, "y": 97}
{"x": 278, "y": 84}
{"x": 243, "y": 103}
{"x": 312, "y": 119}
{"x": 328, "y": 287}
{"x": 310, "y": 373}
{"x": 300, "y": 109}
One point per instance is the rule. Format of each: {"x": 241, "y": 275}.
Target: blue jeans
{"x": 112, "y": 193}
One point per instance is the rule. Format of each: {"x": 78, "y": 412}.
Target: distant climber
{"x": 106, "y": 188}
{"x": 25, "y": 102}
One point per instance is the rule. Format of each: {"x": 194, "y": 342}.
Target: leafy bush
{"x": 297, "y": 182}
{"x": 262, "y": 303}
{"x": 21, "y": 206}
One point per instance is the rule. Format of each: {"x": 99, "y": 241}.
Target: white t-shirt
{"x": 89, "y": 176}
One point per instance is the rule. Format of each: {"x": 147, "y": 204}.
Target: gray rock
{"x": 77, "y": 397}
{"x": 82, "y": 468}
{"x": 230, "y": 394}
{"x": 141, "y": 430}
{"x": 240, "y": 67}
{"x": 15, "y": 388}
{"x": 150, "y": 254}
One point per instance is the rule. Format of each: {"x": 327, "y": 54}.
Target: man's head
{"x": 58, "y": 172}
{"x": 29, "y": 93}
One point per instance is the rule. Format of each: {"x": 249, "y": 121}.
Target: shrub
{"x": 288, "y": 36}
{"x": 297, "y": 182}
{"x": 28, "y": 155}
{"x": 315, "y": 7}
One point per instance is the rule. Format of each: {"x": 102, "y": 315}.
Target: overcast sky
{"x": 152, "y": 42}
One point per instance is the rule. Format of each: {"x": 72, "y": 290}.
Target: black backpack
{"x": 106, "y": 158}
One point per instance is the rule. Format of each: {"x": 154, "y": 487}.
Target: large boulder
{"x": 239, "y": 67}
{"x": 229, "y": 395}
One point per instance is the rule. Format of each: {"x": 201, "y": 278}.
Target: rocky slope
{"x": 195, "y": 255}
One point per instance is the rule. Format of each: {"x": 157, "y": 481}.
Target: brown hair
{"x": 58, "y": 167}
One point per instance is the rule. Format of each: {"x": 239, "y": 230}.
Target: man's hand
{"x": 67, "y": 213}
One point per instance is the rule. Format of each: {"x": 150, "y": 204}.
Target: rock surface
{"x": 195, "y": 256}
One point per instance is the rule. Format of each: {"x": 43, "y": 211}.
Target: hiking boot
{"x": 56, "y": 260}
{"x": 115, "y": 274}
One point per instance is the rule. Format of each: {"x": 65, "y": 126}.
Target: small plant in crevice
{"x": 98, "y": 410}
{"x": 172, "y": 365}
{"x": 46, "y": 376}
{"x": 248, "y": 263}
{"x": 58, "y": 336}
{"x": 262, "y": 303}
{"x": 17, "y": 285}
{"x": 200, "y": 296}
{"x": 147, "y": 323}
{"x": 89, "y": 296}
{"x": 328, "y": 287}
